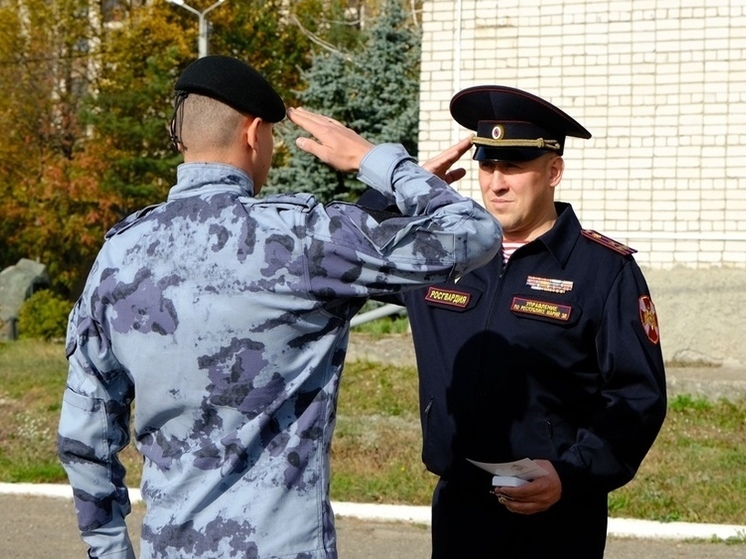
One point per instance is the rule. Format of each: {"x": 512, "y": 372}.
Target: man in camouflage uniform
{"x": 227, "y": 317}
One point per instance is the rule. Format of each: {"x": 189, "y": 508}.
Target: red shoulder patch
{"x": 607, "y": 242}
{"x": 649, "y": 319}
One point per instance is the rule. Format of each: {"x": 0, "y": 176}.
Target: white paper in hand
{"x": 512, "y": 474}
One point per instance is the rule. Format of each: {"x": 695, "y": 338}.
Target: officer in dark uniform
{"x": 549, "y": 352}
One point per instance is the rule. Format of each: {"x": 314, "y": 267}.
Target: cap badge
{"x": 498, "y": 132}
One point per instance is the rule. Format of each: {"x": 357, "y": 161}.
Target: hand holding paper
{"x": 524, "y": 486}
{"x": 512, "y": 474}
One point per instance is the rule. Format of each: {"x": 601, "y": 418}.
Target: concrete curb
{"x": 618, "y": 527}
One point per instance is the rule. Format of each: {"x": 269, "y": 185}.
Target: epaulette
{"x": 607, "y": 242}
{"x": 130, "y": 220}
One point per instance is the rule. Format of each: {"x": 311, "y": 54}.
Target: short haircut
{"x": 208, "y": 124}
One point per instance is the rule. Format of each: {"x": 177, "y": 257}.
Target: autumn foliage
{"x": 87, "y": 96}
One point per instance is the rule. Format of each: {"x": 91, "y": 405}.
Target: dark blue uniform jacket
{"x": 554, "y": 356}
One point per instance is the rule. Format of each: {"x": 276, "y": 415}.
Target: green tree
{"x": 274, "y": 36}
{"x": 87, "y": 95}
{"x": 374, "y": 90}
{"x": 128, "y": 109}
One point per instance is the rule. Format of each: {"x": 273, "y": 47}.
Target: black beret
{"x": 512, "y": 125}
{"x": 235, "y": 83}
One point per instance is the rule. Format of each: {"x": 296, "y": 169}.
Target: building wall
{"x": 661, "y": 85}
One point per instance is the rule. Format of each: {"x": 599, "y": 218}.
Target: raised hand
{"x": 440, "y": 165}
{"x": 332, "y": 142}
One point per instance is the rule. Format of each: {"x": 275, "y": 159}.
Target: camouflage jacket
{"x": 227, "y": 317}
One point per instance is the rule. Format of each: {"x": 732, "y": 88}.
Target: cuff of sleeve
{"x": 378, "y": 165}
{"x": 571, "y": 478}
{"x": 123, "y": 554}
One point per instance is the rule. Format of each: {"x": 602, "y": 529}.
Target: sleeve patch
{"x": 649, "y": 319}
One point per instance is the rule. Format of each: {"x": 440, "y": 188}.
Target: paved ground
{"x": 41, "y": 528}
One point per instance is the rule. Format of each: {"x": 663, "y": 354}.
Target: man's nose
{"x": 497, "y": 181}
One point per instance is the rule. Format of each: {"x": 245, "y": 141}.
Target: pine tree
{"x": 375, "y": 91}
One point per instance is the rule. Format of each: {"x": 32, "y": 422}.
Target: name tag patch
{"x": 447, "y": 297}
{"x": 541, "y": 308}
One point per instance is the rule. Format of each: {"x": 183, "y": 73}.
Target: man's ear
{"x": 251, "y": 132}
{"x": 556, "y": 168}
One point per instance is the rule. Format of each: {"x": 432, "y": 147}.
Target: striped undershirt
{"x": 509, "y": 249}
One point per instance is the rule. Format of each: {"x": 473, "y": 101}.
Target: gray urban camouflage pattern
{"x": 228, "y": 317}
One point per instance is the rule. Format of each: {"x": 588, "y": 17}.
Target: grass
{"x": 391, "y": 324}
{"x": 694, "y": 473}
{"x": 32, "y": 378}
{"x": 695, "y": 470}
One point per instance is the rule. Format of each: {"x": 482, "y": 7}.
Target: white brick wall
{"x": 661, "y": 85}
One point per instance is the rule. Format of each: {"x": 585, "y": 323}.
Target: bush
{"x": 43, "y": 316}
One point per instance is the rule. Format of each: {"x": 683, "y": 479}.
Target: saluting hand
{"x": 334, "y": 143}
{"x": 441, "y": 163}
{"x": 536, "y": 496}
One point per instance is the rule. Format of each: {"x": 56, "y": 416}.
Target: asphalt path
{"x": 35, "y": 527}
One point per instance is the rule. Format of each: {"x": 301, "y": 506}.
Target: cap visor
{"x": 508, "y": 154}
